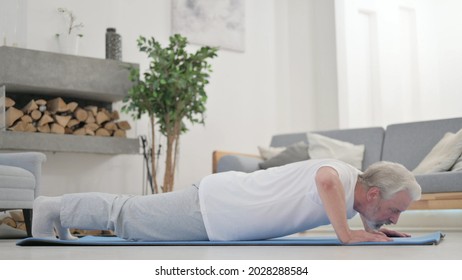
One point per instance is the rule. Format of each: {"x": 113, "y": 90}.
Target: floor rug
{"x": 427, "y": 239}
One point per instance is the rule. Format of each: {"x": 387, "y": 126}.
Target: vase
{"x": 113, "y": 44}
{"x": 69, "y": 43}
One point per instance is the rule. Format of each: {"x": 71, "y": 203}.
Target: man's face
{"x": 384, "y": 212}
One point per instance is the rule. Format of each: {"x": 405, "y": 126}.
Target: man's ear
{"x": 373, "y": 193}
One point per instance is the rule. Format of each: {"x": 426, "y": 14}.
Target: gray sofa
{"x": 405, "y": 143}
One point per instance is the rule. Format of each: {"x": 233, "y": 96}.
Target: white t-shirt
{"x": 269, "y": 203}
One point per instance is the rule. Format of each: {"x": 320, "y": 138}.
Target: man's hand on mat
{"x": 364, "y": 236}
{"x": 393, "y": 233}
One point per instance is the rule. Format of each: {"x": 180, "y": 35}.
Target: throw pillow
{"x": 269, "y": 152}
{"x": 443, "y": 155}
{"x": 293, "y": 153}
{"x": 321, "y": 146}
{"x": 458, "y": 165}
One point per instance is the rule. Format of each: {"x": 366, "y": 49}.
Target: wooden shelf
{"x": 47, "y": 142}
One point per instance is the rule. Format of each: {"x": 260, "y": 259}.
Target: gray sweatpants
{"x": 169, "y": 216}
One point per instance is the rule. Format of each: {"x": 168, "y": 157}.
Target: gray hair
{"x": 391, "y": 178}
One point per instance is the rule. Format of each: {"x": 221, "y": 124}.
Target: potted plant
{"x": 171, "y": 92}
{"x": 69, "y": 38}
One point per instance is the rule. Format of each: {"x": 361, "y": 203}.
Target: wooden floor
{"x": 449, "y": 249}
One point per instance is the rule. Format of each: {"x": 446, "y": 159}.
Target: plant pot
{"x": 69, "y": 44}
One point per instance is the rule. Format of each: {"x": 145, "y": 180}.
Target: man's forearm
{"x": 332, "y": 195}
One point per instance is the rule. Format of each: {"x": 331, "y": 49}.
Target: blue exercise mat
{"x": 428, "y": 239}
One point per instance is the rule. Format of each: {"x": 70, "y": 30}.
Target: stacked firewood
{"x": 57, "y": 116}
{"x": 13, "y": 219}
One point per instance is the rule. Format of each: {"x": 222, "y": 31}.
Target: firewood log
{"x": 17, "y": 215}
{"x": 124, "y": 125}
{"x": 56, "y": 105}
{"x": 89, "y": 132}
{"x": 9, "y": 102}
{"x": 91, "y": 118}
{"x": 71, "y": 106}
{"x": 29, "y": 127}
{"x": 18, "y": 126}
{"x": 9, "y": 222}
{"x": 92, "y": 109}
{"x": 44, "y": 128}
{"x": 26, "y": 119}
{"x": 36, "y": 115}
{"x": 31, "y": 106}
{"x": 45, "y": 119}
{"x": 105, "y": 111}
{"x": 12, "y": 114}
{"x": 115, "y": 115}
{"x": 92, "y": 126}
{"x": 57, "y": 128}
{"x": 80, "y": 114}
{"x": 111, "y": 126}
{"x": 72, "y": 123}
{"x": 102, "y": 117}
{"x": 41, "y": 102}
{"x": 79, "y": 131}
{"x": 62, "y": 120}
{"x": 102, "y": 132}
{"x": 21, "y": 226}
{"x": 120, "y": 133}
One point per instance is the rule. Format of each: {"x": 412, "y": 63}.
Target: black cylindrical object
{"x": 113, "y": 44}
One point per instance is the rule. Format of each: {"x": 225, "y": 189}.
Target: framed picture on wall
{"x": 217, "y": 23}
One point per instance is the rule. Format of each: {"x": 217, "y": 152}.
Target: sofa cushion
{"x": 16, "y": 187}
{"x": 12, "y": 177}
{"x": 321, "y": 146}
{"x": 443, "y": 155}
{"x": 458, "y": 165}
{"x": 269, "y": 152}
{"x": 293, "y": 153}
{"x": 370, "y": 137}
